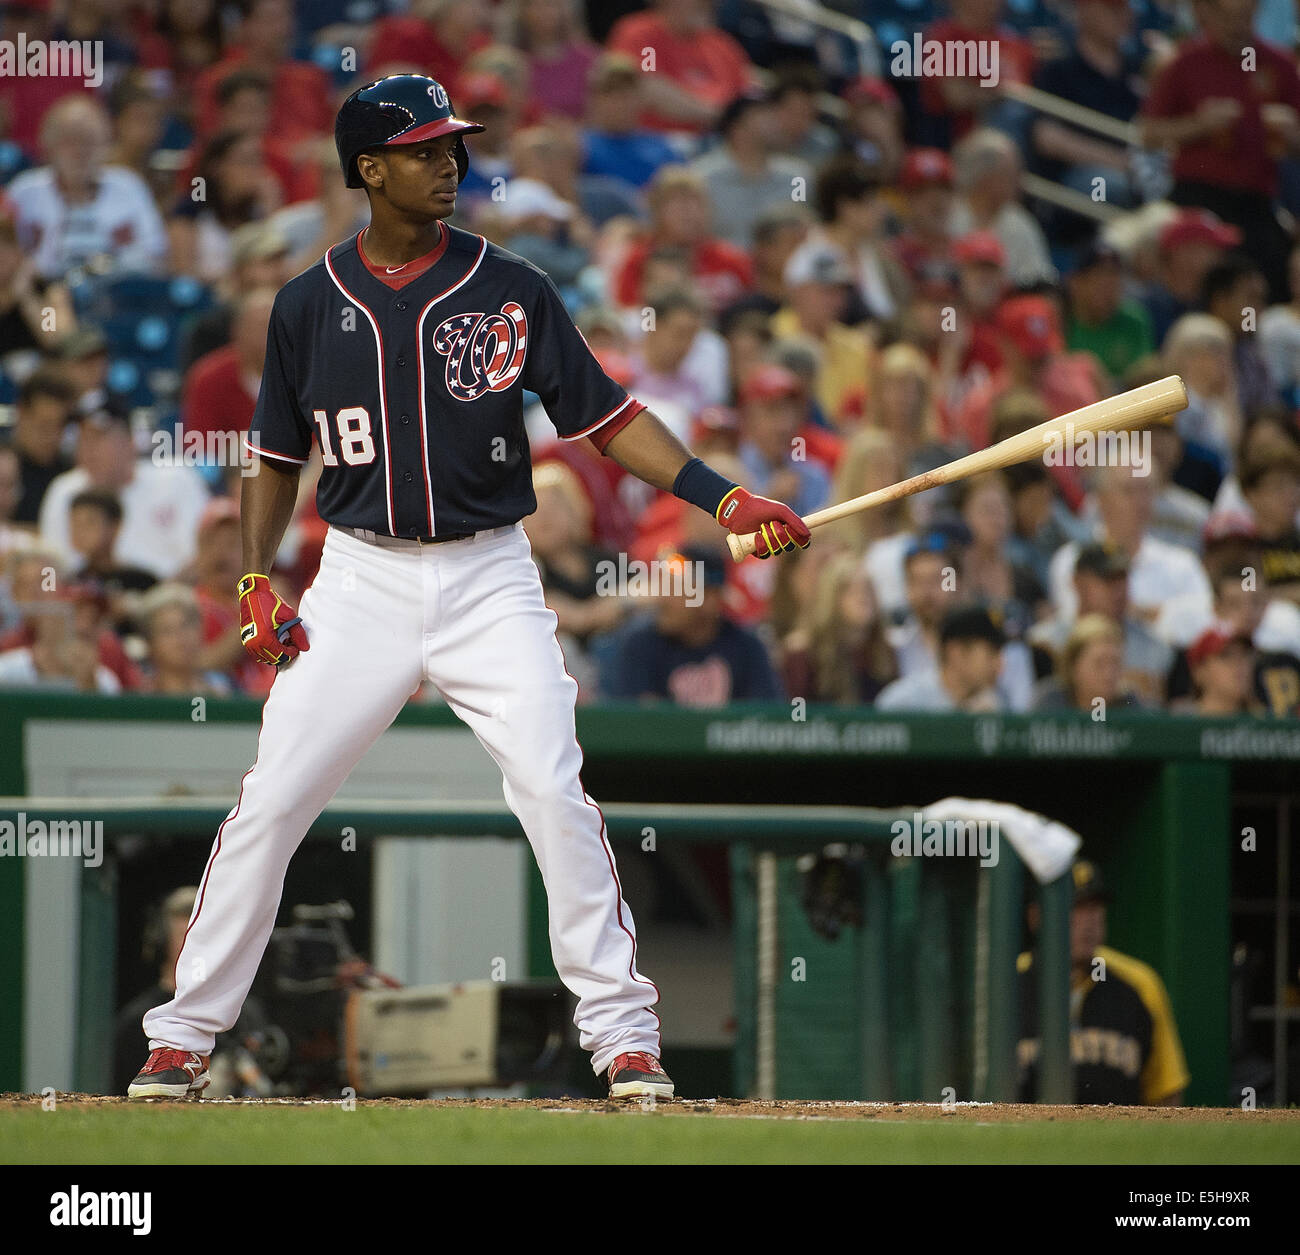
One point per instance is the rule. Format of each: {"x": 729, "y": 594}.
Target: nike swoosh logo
{"x": 392, "y": 270}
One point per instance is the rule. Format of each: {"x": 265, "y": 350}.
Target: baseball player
{"x": 404, "y": 353}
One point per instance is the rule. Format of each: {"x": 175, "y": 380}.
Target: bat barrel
{"x": 1158, "y": 401}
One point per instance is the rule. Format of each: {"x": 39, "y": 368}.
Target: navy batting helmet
{"x": 399, "y": 109}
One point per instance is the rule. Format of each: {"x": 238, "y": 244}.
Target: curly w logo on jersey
{"x": 484, "y": 352}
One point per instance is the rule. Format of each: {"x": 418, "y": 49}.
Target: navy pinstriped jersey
{"x": 415, "y": 395}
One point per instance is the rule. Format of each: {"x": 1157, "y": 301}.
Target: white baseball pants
{"x": 469, "y": 617}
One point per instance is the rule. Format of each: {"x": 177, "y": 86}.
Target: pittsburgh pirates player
{"x": 404, "y": 354}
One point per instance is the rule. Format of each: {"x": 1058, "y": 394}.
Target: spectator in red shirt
{"x": 301, "y": 93}
{"x": 962, "y": 101}
{"x": 925, "y": 246}
{"x": 1229, "y": 119}
{"x": 435, "y": 36}
{"x": 1033, "y": 356}
{"x": 681, "y": 217}
{"x": 1192, "y": 243}
{"x": 220, "y": 390}
{"x": 696, "y": 70}
{"x": 969, "y": 352}
{"x": 84, "y": 608}
{"x": 25, "y": 99}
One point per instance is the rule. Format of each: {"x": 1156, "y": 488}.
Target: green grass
{"x": 247, "y": 1134}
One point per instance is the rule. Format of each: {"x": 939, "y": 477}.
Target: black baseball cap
{"x": 971, "y": 623}
{"x": 710, "y": 564}
{"x": 1095, "y": 253}
{"x": 1108, "y": 561}
{"x": 1088, "y": 883}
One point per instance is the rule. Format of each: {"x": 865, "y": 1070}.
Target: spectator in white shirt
{"x": 987, "y": 166}
{"x": 1158, "y": 571}
{"x": 76, "y": 209}
{"x": 161, "y": 501}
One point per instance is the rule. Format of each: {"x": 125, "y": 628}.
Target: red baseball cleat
{"x": 171, "y": 1074}
{"x": 638, "y": 1075}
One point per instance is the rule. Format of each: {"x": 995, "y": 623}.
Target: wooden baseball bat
{"x": 1151, "y": 403}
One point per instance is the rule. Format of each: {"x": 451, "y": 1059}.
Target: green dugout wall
{"x": 1151, "y": 796}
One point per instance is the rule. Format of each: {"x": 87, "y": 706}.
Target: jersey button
{"x": 401, "y": 305}
{"x": 407, "y": 477}
{"x": 401, "y": 361}
{"x": 406, "y": 418}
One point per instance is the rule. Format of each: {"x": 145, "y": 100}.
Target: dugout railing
{"x": 1153, "y": 796}
{"x": 904, "y": 995}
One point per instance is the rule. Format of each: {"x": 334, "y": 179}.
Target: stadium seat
{"x": 143, "y": 318}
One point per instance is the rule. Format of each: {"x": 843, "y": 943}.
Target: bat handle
{"x": 742, "y": 546}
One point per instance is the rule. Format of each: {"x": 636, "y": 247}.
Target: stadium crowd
{"x": 823, "y": 275}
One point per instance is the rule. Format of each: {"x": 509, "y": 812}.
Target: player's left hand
{"x": 269, "y": 628}
{"x": 777, "y": 528}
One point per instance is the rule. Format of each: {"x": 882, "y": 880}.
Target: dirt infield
{"x": 968, "y": 1112}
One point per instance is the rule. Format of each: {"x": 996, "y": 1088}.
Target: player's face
{"x": 417, "y": 180}
{"x": 1087, "y": 930}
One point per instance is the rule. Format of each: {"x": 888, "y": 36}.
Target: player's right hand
{"x": 269, "y": 628}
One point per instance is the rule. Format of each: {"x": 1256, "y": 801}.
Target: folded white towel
{"x": 1046, "y": 846}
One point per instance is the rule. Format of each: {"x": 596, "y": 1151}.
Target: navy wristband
{"x": 702, "y": 486}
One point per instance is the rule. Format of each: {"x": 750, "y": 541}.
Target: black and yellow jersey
{"x": 1124, "y": 1045}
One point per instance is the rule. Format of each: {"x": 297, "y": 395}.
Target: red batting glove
{"x": 778, "y": 528}
{"x": 269, "y": 628}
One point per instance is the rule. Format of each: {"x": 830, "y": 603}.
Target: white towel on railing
{"x": 1046, "y": 846}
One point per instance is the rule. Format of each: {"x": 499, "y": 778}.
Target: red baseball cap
{"x": 1213, "y": 641}
{"x": 875, "y": 90}
{"x": 713, "y": 419}
{"x": 482, "y": 88}
{"x": 1198, "y": 226}
{"x": 218, "y": 510}
{"x": 1032, "y": 325}
{"x": 769, "y": 381}
{"x": 925, "y": 167}
{"x": 617, "y": 365}
{"x": 1229, "y": 525}
{"x": 980, "y": 246}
